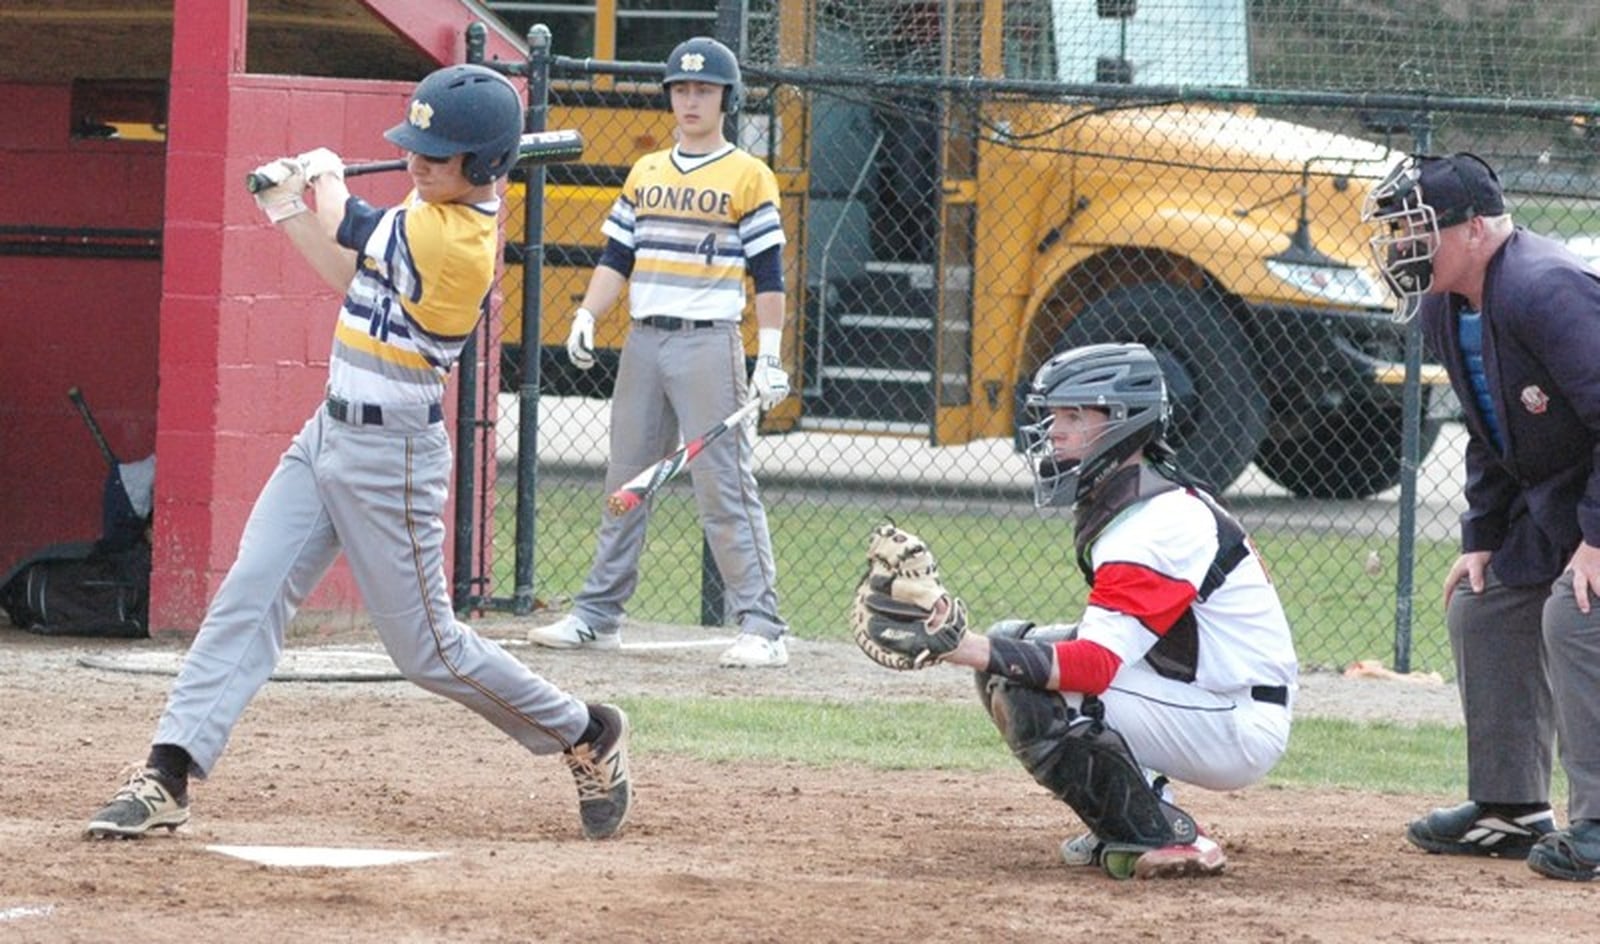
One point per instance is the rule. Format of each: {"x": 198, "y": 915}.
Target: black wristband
{"x": 1021, "y": 660}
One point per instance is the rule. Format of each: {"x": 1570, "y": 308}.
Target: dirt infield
{"x": 713, "y": 852}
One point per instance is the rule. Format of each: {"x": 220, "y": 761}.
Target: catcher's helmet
{"x": 703, "y": 59}
{"x": 1419, "y": 197}
{"x": 466, "y": 109}
{"x": 1123, "y": 379}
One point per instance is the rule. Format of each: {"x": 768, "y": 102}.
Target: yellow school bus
{"x": 943, "y": 244}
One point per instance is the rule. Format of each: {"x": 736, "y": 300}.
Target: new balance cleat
{"x": 600, "y": 768}
{"x": 144, "y": 803}
{"x": 752, "y": 651}
{"x": 1471, "y": 829}
{"x": 570, "y": 632}
{"x": 1572, "y": 854}
{"x": 1186, "y": 860}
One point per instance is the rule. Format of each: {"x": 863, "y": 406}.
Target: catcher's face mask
{"x": 1057, "y": 445}
{"x": 1115, "y": 394}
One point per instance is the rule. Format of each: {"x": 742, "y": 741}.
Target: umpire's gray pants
{"x": 685, "y": 381}
{"x": 1497, "y": 637}
{"x": 1572, "y": 638}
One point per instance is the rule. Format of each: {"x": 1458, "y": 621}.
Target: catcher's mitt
{"x": 902, "y": 617}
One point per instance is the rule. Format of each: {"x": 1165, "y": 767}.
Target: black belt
{"x": 370, "y": 414}
{"x": 669, "y": 323}
{"x": 1271, "y": 694}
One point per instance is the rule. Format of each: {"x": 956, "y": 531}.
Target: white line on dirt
{"x": 26, "y": 911}
{"x": 321, "y": 856}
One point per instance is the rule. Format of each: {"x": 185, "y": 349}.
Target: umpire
{"x": 1515, "y": 318}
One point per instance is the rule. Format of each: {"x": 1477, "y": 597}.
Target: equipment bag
{"x": 81, "y": 589}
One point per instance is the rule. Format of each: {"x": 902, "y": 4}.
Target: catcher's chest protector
{"x": 1177, "y": 654}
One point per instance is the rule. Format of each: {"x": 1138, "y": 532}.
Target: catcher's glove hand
{"x": 902, "y": 617}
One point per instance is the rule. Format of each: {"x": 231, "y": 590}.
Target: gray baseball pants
{"x": 1572, "y": 638}
{"x": 378, "y": 494}
{"x": 1503, "y": 676}
{"x": 685, "y": 381}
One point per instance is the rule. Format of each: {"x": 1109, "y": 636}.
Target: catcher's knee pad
{"x": 1088, "y": 766}
{"x": 1005, "y": 629}
{"x": 1019, "y": 629}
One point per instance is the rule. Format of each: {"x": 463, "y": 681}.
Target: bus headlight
{"x": 1341, "y": 285}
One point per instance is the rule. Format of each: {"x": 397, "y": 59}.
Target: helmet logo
{"x": 692, "y": 62}
{"x": 421, "y": 115}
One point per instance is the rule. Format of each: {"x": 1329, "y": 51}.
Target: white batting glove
{"x": 580, "y": 340}
{"x": 768, "y": 378}
{"x": 285, "y": 198}
{"x": 319, "y": 162}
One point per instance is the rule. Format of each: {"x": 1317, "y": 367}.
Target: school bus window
{"x": 648, "y": 29}
{"x": 571, "y": 24}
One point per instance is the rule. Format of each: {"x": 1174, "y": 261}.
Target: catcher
{"x": 1182, "y": 665}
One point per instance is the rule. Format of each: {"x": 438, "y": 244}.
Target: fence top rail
{"x": 1422, "y": 102}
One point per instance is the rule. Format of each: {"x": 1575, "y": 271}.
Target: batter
{"x": 368, "y": 474}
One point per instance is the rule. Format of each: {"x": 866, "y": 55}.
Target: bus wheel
{"x": 1219, "y": 414}
{"x": 1349, "y": 452}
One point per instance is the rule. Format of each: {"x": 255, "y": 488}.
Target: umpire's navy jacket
{"x": 1534, "y": 500}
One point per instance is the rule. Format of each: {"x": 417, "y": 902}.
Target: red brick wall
{"x": 246, "y": 322}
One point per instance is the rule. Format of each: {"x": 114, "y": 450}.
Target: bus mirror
{"x": 1113, "y": 70}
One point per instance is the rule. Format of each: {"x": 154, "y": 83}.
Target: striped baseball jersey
{"x": 423, "y": 276}
{"x": 691, "y": 223}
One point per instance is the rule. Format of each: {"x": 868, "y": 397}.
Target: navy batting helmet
{"x": 467, "y": 109}
{"x": 1124, "y": 380}
{"x": 703, "y": 59}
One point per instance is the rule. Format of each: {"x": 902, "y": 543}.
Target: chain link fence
{"x": 967, "y": 192}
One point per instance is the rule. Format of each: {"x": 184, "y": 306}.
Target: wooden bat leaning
{"x": 639, "y": 488}
{"x": 539, "y": 147}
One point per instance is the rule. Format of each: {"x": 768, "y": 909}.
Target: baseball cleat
{"x": 750, "y": 651}
{"x": 1471, "y": 829}
{"x": 1082, "y": 850}
{"x": 1572, "y": 853}
{"x": 569, "y": 632}
{"x": 1187, "y": 860}
{"x": 600, "y": 768}
{"x": 143, "y": 803}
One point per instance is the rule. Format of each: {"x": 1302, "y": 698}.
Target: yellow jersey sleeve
{"x": 452, "y": 250}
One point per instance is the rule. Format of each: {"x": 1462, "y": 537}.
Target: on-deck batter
{"x": 690, "y": 223}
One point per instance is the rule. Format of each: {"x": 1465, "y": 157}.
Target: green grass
{"x": 1556, "y": 216}
{"x": 1382, "y": 757}
{"x": 1005, "y": 563}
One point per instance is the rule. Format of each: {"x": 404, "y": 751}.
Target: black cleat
{"x": 1470, "y": 829}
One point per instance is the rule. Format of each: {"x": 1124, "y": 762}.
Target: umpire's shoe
{"x": 1471, "y": 829}
{"x": 600, "y": 767}
{"x": 144, "y": 802}
{"x": 1572, "y": 853}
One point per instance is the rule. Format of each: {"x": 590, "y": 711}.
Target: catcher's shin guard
{"x": 1086, "y": 765}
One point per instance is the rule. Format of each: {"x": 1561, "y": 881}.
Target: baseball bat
{"x": 540, "y": 147}
{"x": 76, "y": 396}
{"x": 639, "y": 488}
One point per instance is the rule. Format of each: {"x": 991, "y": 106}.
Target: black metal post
{"x": 1410, "y": 457}
{"x": 532, "y": 313}
{"x": 462, "y": 569}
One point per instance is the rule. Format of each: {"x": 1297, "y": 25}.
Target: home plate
{"x": 301, "y": 857}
